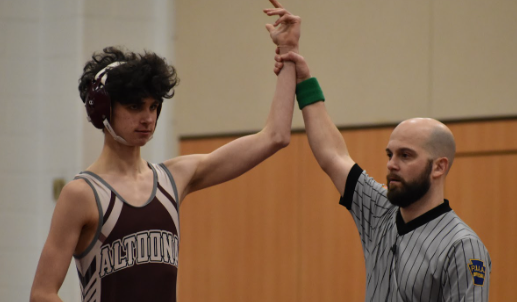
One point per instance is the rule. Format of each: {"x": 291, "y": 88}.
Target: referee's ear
{"x": 440, "y": 167}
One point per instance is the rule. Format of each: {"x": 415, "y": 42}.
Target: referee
{"x": 416, "y": 248}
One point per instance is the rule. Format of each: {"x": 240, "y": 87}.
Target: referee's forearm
{"x": 325, "y": 140}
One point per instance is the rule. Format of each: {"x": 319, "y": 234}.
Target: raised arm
{"x": 195, "y": 172}
{"x": 327, "y": 143}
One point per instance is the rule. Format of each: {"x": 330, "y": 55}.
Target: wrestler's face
{"x": 135, "y": 122}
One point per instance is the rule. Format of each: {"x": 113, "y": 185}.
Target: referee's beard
{"x": 408, "y": 193}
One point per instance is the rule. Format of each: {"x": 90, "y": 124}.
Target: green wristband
{"x": 308, "y": 92}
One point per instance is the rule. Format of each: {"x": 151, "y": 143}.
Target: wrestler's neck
{"x": 433, "y": 198}
{"x": 118, "y": 158}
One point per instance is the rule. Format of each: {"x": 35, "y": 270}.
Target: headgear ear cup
{"x": 98, "y": 102}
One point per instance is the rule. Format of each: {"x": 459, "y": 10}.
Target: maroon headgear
{"x": 98, "y": 102}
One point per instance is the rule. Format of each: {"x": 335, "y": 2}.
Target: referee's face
{"x": 409, "y": 164}
{"x": 404, "y": 192}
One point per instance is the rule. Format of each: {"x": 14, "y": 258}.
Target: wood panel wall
{"x": 277, "y": 233}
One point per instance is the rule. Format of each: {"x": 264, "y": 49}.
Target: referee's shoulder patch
{"x": 477, "y": 270}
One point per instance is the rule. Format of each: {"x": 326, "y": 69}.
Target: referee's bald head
{"x": 436, "y": 138}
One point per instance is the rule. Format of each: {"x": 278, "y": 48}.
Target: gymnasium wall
{"x": 377, "y": 61}
{"x": 39, "y": 138}
{"x": 277, "y": 233}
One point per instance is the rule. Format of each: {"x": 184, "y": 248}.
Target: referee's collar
{"x": 404, "y": 228}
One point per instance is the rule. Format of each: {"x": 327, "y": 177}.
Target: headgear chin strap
{"x": 115, "y": 136}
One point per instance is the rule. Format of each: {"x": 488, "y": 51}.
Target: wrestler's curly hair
{"x": 143, "y": 75}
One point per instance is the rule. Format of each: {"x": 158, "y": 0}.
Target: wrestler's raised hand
{"x": 285, "y": 32}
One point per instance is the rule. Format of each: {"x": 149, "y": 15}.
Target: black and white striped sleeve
{"x": 466, "y": 275}
{"x": 366, "y": 200}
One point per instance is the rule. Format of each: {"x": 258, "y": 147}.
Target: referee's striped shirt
{"x": 435, "y": 257}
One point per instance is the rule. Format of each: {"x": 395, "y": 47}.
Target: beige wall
{"x": 377, "y": 61}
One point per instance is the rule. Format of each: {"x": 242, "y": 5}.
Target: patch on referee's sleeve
{"x": 477, "y": 270}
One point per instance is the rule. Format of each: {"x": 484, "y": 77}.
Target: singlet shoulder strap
{"x": 109, "y": 204}
{"x": 167, "y": 193}
{"x": 166, "y": 180}
{"x": 101, "y": 194}
{"x": 101, "y": 191}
